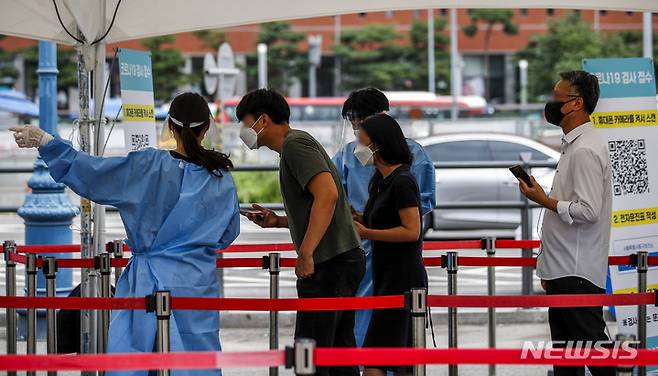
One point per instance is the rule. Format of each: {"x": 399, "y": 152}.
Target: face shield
{"x": 345, "y": 133}
{"x": 213, "y": 138}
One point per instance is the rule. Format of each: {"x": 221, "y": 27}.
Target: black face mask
{"x": 553, "y": 111}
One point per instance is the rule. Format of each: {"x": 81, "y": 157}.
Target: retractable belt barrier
{"x": 321, "y": 357}
{"x": 284, "y": 247}
{"x": 332, "y": 304}
{"x": 253, "y": 262}
{"x": 416, "y": 301}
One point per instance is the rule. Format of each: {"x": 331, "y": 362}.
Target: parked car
{"x": 466, "y": 185}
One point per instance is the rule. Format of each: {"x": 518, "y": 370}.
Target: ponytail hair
{"x": 192, "y": 117}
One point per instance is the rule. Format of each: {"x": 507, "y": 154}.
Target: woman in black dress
{"x": 392, "y": 221}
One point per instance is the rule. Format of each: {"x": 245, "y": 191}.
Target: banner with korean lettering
{"x": 626, "y": 117}
{"x": 136, "y": 77}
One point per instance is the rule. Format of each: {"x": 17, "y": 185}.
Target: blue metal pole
{"x": 47, "y": 210}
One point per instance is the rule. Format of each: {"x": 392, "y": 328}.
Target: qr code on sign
{"x": 629, "y": 167}
{"x": 139, "y": 141}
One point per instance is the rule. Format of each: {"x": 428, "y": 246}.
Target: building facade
{"x": 502, "y": 72}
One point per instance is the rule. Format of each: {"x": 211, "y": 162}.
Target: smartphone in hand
{"x": 255, "y": 214}
{"x": 520, "y": 173}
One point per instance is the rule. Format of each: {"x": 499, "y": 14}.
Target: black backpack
{"x": 68, "y": 326}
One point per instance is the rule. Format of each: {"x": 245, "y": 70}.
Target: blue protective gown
{"x": 355, "y": 178}
{"x": 176, "y": 214}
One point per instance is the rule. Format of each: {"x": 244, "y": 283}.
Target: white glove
{"x": 28, "y": 136}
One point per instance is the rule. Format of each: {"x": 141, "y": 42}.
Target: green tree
{"x": 167, "y": 64}
{"x": 258, "y": 187}
{"x": 211, "y": 38}
{"x": 7, "y": 71}
{"x": 285, "y": 58}
{"x": 567, "y": 42}
{"x": 417, "y": 55}
{"x": 374, "y": 55}
{"x": 66, "y": 65}
{"x": 490, "y": 18}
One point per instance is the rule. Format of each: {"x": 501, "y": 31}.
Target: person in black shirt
{"x": 392, "y": 221}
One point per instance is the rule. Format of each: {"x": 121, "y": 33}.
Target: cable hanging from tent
{"x": 114, "y": 16}
{"x": 64, "y": 27}
{"x": 59, "y": 17}
{"x": 102, "y": 108}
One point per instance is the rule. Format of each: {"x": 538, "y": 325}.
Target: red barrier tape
{"x": 408, "y": 356}
{"x": 142, "y": 361}
{"x": 209, "y": 304}
{"x": 49, "y": 248}
{"x": 240, "y": 263}
{"x": 496, "y": 261}
{"x": 20, "y": 259}
{"x": 290, "y": 262}
{"x": 652, "y": 260}
{"x": 276, "y": 247}
{"x": 75, "y": 263}
{"x": 291, "y": 304}
{"x": 262, "y": 248}
{"x": 329, "y": 304}
{"x": 73, "y": 303}
{"x": 571, "y": 300}
{"x": 326, "y": 357}
{"x": 452, "y": 244}
{"x": 507, "y": 244}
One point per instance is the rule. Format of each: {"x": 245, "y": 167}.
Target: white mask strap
{"x": 180, "y": 123}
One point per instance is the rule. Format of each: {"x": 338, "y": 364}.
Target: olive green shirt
{"x": 302, "y": 157}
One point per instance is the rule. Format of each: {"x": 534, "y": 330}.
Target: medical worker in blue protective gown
{"x": 359, "y": 105}
{"x": 177, "y": 207}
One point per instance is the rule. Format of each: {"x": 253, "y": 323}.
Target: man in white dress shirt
{"x": 576, "y": 227}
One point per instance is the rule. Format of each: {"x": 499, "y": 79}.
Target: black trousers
{"x": 576, "y": 324}
{"x": 337, "y": 277}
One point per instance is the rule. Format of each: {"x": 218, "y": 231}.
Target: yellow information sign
{"x": 634, "y": 217}
{"x": 623, "y": 119}
{"x": 138, "y": 112}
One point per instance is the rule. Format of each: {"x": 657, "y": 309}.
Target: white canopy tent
{"x": 36, "y": 19}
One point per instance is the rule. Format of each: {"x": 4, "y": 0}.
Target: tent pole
{"x": 87, "y": 335}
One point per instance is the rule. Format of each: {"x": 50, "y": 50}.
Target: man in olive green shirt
{"x": 330, "y": 262}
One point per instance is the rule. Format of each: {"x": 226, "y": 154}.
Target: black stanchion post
{"x": 49, "y": 268}
{"x": 116, "y": 248}
{"x": 623, "y": 338}
{"x": 161, "y": 304}
{"x": 103, "y": 265}
{"x": 9, "y": 247}
{"x": 526, "y": 230}
{"x": 417, "y": 304}
{"x": 31, "y": 271}
{"x": 489, "y": 244}
{"x": 450, "y": 264}
{"x": 272, "y": 262}
{"x": 642, "y": 268}
{"x": 304, "y": 357}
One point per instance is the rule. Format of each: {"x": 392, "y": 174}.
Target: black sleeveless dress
{"x": 396, "y": 267}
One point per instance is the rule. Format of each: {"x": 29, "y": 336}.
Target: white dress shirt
{"x": 576, "y": 239}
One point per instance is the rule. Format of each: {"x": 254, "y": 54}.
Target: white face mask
{"x": 364, "y": 154}
{"x": 249, "y": 135}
